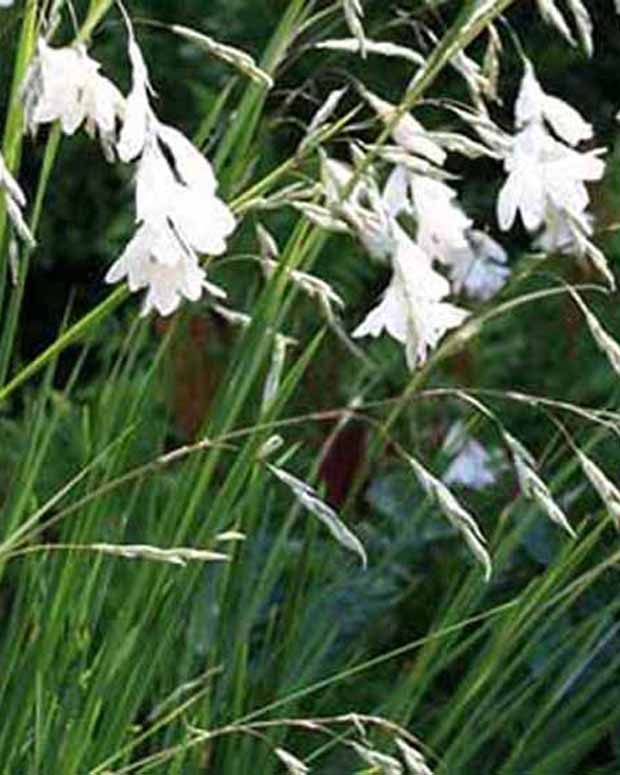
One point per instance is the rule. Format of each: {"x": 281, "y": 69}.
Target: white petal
{"x": 155, "y": 184}
{"x": 204, "y": 222}
{"x": 529, "y": 104}
{"x": 567, "y": 123}
{"x": 191, "y": 166}
{"x": 396, "y": 192}
{"x": 138, "y": 113}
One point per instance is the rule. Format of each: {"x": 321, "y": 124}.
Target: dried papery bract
{"x": 309, "y": 499}
{"x": 415, "y": 761}
{"x": 380, "y": 47}
{"x": 380, "y": 762}
{"x": 180, "y": 555}
{"x": 232, "y": 56}
{"x": 178, "y": 212}
{"x": 294, "y": 766}
{"x": 606, "y": 343}
{"x": 455, "y": 513}
{"x": 15, "y": 201}
{"x": 322, "y": 116}
{"x": 532, "y": 486}
{"x": 353, "y": 14}
{"x": 406, "y": 130}
{"x": 607, "y": 490}
{"x": 581, "y": 17}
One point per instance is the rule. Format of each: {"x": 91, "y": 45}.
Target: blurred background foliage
{"x": 542, "y": 348}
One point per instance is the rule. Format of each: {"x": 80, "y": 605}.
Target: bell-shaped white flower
{"x": 411, "y": 310}
{"x": 476, "y": 262}
{"x": 64, "y": 84}
{"x": 544, "y": 176}
{"x": 533, "y": 106}
{"x": 184, "y": 195}
{"x": 441, "y": 223}
{"x": 158, "y": 260}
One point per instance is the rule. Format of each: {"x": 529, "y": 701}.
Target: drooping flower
{"x": 441, "y": 223}
{"x": 140, "y": 121}
{"x": 475, "y": 261}
{"x": 411, "y": 310}
{"x": 15, "y": 201}
{"x": 472, "y": 466}
{"x": 547, "y": 176}
{"x": 358, "y": 204}
{"x": 157, "y": 259}
{"x": 478, "y": 269}
{"x": 64, "y": 84}
{"x": 178, "y": 212}
{"x": 182, "y": 193}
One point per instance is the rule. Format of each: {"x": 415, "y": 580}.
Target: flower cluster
{"x": 546, "y": 175}
{"x": 413, "y": 310}
{"x": 412, "y": 219}
{"x": 177, "y": 211}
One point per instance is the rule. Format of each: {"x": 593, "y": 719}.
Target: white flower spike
{"x": 178, "y": 212}
{"x": 547, "y": 176}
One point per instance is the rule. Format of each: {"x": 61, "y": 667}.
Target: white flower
{"x": 440, "y": 220}
{"x": 547, "y": 176}
{"x": 411, "y": 310}
{"x": 138, "y": 115}
{"x": 533, "y": 106}
{"x": 544, "y": 177}
{"x": 158, "y": 260}
{"x": 472, "y": 466}
{"x": 178, "y": 212}
{"x": 63, "y": 84}
{"x": 184, "y": 195}
{"x": 15, "y": 202}
{"x": 479, "y": 269}
{"x": 475, "y": 261}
